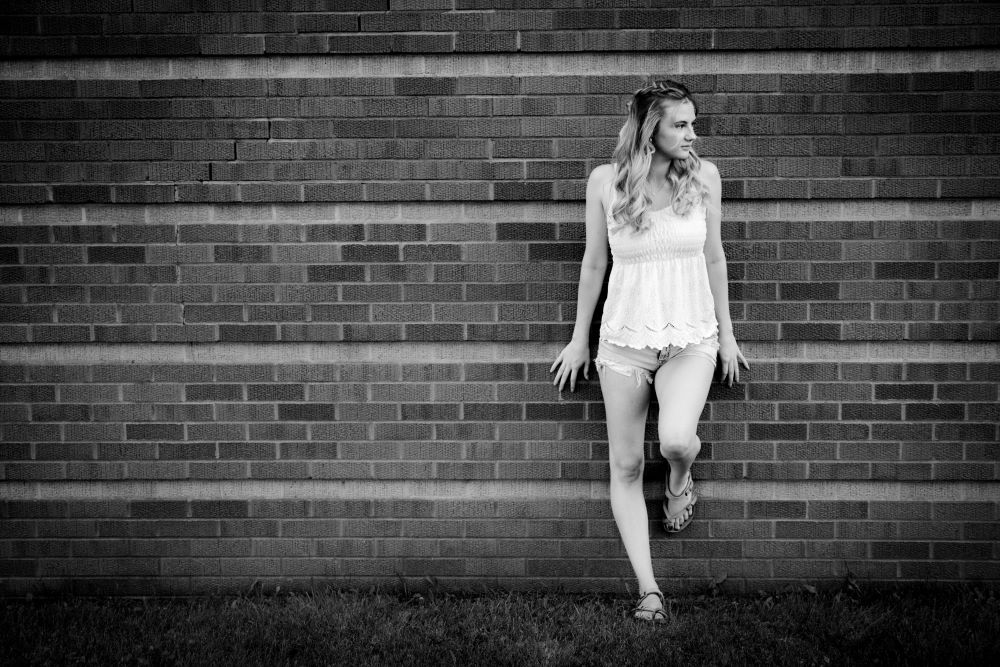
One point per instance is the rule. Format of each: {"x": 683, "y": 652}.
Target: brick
{"x": 934, "y": 412}
{"x": 900, "y": 550}
{"x": 838, "y": 432}
{"x": 838, "y": 510}
{"x": 869, "y": 451}
{"x": 786, "y": 431}
{"x": 771, "y": 471}
{"x": 839, "y": 470}
{"x": 811, "y": 331}
{"x": 154, "y": 431}
{"x": 158, "y": 509}
{"x": 81, "y": 193}
{"x": 804, "y": 529}
{"x": 776, "y": 509}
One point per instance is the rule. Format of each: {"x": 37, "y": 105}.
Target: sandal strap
{"x": 676, "y": 522}
{"x": 654, "y": 613}
{"x": 688, "y": 487}
{"x": 658, "y": 594}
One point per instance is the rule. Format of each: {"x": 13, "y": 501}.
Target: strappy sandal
{"x": 668, "y": 518}
{"x": 656, "y": 615}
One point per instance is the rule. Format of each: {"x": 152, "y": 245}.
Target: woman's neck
{"x": 658, "y": 168}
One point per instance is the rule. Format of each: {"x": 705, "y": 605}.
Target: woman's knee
{"x": 627, "y": 467}
{"x": 678, "y": 444}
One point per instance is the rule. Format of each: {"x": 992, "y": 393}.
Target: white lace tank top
{"x": 658, "y": 292}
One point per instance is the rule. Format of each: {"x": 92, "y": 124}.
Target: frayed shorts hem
{"x": 643, "y": 364}
{"x": 624, "y": 369}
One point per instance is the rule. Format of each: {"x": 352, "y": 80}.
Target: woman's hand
{"x": 729, "y": 353}
{"x": 567, "y": 365}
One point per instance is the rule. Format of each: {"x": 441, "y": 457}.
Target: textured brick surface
{"x": 307, "y": 544}
{"x": 282, "y": 281}
{"x": 882, "y": 468}
{"x": 888, "y": 420}
{"x": 795, "y": 136}
{"x": 434, "y": 272}
{"x": 34, "y": 29}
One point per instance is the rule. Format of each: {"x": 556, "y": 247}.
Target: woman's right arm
{"x": 576, "y": 354}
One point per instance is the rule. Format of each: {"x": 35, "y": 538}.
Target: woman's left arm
{"x": 718, "y": 279}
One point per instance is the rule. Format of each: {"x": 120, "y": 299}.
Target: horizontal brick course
{"x": 340, "y": 420}
{"x": 338, "y": 277}
{"x": 484, "y": 27}
{"x": 491, "y": 147}
{"x": 323, "y": 549}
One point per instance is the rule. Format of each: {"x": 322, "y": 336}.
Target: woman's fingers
{"x": 569, "y": 377}
{"x": 557, "y": 367}
{"x": 730, "y": 371}
{"x": 731, "y": 359}
{"x": 568, "y": 372}
{"x": 740, "y": 359}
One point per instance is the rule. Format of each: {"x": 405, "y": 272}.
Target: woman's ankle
{"x": 677, "y": 484}
{"x": 647, "y": 587}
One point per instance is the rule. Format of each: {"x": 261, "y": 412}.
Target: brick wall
{"x": 801, "y": 271}
{"x": 801, "y": 135}
{"x": 281, "y": 287}
{"x": 97, "y": 28}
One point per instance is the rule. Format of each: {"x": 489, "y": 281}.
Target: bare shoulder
{"x": 602, "y": 174}
{"x": 600, "y": 182}
{"x": 709, "y": 172}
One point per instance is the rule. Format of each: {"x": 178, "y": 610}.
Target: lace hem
{"x": 670, "y": 334}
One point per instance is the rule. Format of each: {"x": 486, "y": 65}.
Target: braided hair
{"x": 633, "y": 156}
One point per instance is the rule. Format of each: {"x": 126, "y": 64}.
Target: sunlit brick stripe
{"x": 465, "y": 65}
{"x": 480, "y": 212}
{"x": 499, "y": 490}
{"x": 451, "y": 353}
{"x": 447, "y": 212}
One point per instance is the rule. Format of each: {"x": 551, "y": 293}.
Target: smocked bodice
{"x": 658, "y": 291}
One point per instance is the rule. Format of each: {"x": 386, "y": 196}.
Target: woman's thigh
{"x": 626, "y": 404}
{"x": 682, "y": 386}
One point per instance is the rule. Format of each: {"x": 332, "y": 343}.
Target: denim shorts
{"x": 642, "y": 364}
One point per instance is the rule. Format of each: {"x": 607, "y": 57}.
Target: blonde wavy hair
{"x": 634, "y": 152}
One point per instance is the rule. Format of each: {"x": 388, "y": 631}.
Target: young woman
{"x": 666, "y": 322}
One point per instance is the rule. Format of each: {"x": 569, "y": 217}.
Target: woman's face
{"x": 675, "y": 133}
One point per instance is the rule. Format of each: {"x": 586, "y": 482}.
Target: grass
{"x": 959, "y": 626}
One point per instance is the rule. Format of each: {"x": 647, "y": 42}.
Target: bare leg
{"x": 627, "y": 405}
{"x": 682, "y": 386}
